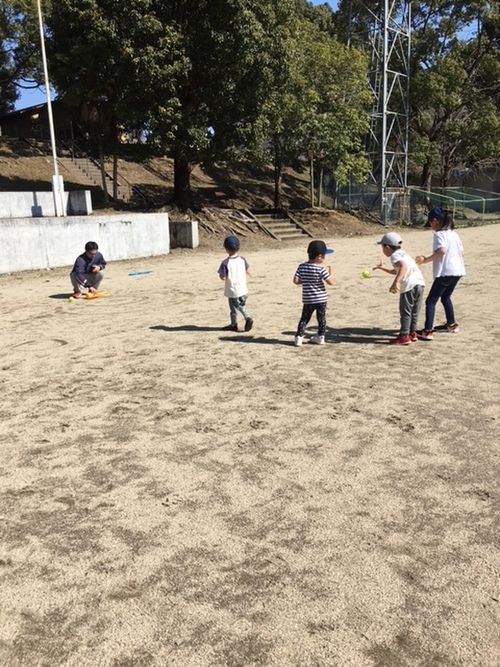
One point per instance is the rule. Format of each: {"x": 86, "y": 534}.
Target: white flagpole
{"x": 57, "y": 181}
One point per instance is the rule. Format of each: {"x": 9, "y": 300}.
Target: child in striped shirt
{"x": 313, "y": 276}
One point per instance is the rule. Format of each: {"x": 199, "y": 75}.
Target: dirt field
{"x": 173, "y": 494}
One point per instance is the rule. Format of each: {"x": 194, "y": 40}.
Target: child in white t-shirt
{"x": 408, "y": 281}
{"x": 233, "y": 271}
{"x": 447, "y": 267}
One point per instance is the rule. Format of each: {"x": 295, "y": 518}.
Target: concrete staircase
{"x": 83, "y": 168}
{"x": 277, "y": 223}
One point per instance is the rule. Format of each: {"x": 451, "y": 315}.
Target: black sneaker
{"x": 230, "y": 327}
{"x": 248, "y": 324}
{"x": 449, "y": 328}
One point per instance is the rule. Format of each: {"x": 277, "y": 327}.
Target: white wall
{"x": 45, "y": 243}
{"x": 41, "y": 204}
{"x": 27, "y": 204}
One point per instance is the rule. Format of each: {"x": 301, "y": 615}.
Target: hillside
{"x": 22, "y": 167}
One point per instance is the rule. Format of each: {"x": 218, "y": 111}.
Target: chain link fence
{"x": 410, "y": 206}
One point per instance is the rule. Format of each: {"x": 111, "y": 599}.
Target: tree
{"x": 337, "y": 121}
{"x": 110, "y": 59}
{"x": 217, "y": 94}
{"x": 453, "y": 78}
{"x": 316, "y": 103}
{"x": 454, "y": 83}
{"x": 20, "y": 60}
{"x": 190, "y": 75}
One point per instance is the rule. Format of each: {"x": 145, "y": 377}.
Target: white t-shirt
{"x": 413, "y": 275}
{"x": 234, "y": 269}
{"x": 452, "y": 262}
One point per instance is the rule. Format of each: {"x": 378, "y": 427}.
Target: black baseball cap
{"x": 316, "y": 248}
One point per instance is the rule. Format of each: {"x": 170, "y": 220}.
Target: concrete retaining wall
{"x": 80, "y": 202}
{"x": 46, "y": 243}
{"x": 184, "y": 234}
{"x": 41, "y": 204}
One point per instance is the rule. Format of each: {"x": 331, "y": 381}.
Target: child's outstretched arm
{"x": 381, "y": 267}
{"x": 437, "y": 254}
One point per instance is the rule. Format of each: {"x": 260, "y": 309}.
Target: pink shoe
{"x": 413, "y": 337}
{"x": 424, "y": 334}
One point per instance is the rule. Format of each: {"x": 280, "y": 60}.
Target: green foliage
{"x": 19, "y": 50}
{"x": 454, "y": 86}
{"x": 454, "y": 77}
{"x": 112, "y": 58}
{"x": 316, "y": 105}
{"x": 336, "y": 120}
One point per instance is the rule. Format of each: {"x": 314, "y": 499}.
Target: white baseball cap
{"x": 392, "y": 239}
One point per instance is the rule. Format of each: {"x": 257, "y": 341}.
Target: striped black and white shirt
{"x": 312, "y": 277}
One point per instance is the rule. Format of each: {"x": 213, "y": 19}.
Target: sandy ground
{"x": 172, "y": 494}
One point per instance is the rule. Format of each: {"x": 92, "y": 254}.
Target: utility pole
{"x": 385, "y": 29}
{"x": 57, "y": 180}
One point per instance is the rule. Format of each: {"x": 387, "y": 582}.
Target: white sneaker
{"x": 298, "y": 341}
{"x": 318, "y": 340}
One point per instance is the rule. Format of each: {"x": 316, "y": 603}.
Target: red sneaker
{"x": 413, "y": 337}
{"x": 400, "y": 340}
{"x": 77, "y": 295}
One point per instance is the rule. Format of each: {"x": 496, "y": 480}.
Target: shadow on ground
{"x": 66, "y": 296}
{"x": 184, "y": 327}
{"x": 359, "y": 335}
{"x": 346, "y": 335}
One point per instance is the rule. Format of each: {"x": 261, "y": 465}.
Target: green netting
{"x": 469, "y": 206}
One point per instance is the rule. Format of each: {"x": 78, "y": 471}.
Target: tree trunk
{"x": 445, "y": 171}
{"x": 311, "y": 177}
{"x": 320, "y": 188}
{"x": 115, "y": 176}
{"x": 335, "y": 190}
{"x": 278, "y": 174}
{"x": 183, "y": 196}
{"x": 426, "y": 179}
{"x": 103, "y": 173}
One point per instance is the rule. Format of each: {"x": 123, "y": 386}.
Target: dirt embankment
{"x": 26, "y": 167}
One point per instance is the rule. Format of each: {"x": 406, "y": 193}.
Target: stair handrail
{"x": 259, "y": 223}
{"x": 119, "y": 177}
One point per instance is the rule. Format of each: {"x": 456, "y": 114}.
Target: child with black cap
{"x": 233, "y": 271}
{"x": 313, "y": 276}
{"x": 447, "y": 267}
{"x": 408, "y": 281}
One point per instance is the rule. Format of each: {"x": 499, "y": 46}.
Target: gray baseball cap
{"x": 392, "y": 239}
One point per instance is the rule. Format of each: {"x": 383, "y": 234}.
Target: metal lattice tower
{"x": 384, "y": 27}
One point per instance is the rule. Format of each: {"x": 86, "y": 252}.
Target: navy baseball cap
{"x": 231, "y": 243}
{"x": 436, "y": 213}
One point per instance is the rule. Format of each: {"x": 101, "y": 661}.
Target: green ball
{"x": 71, "y": 299}
{"x": 365, "y": 274}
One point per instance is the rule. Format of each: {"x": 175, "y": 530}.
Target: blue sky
{"x": 30, "y": 98}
